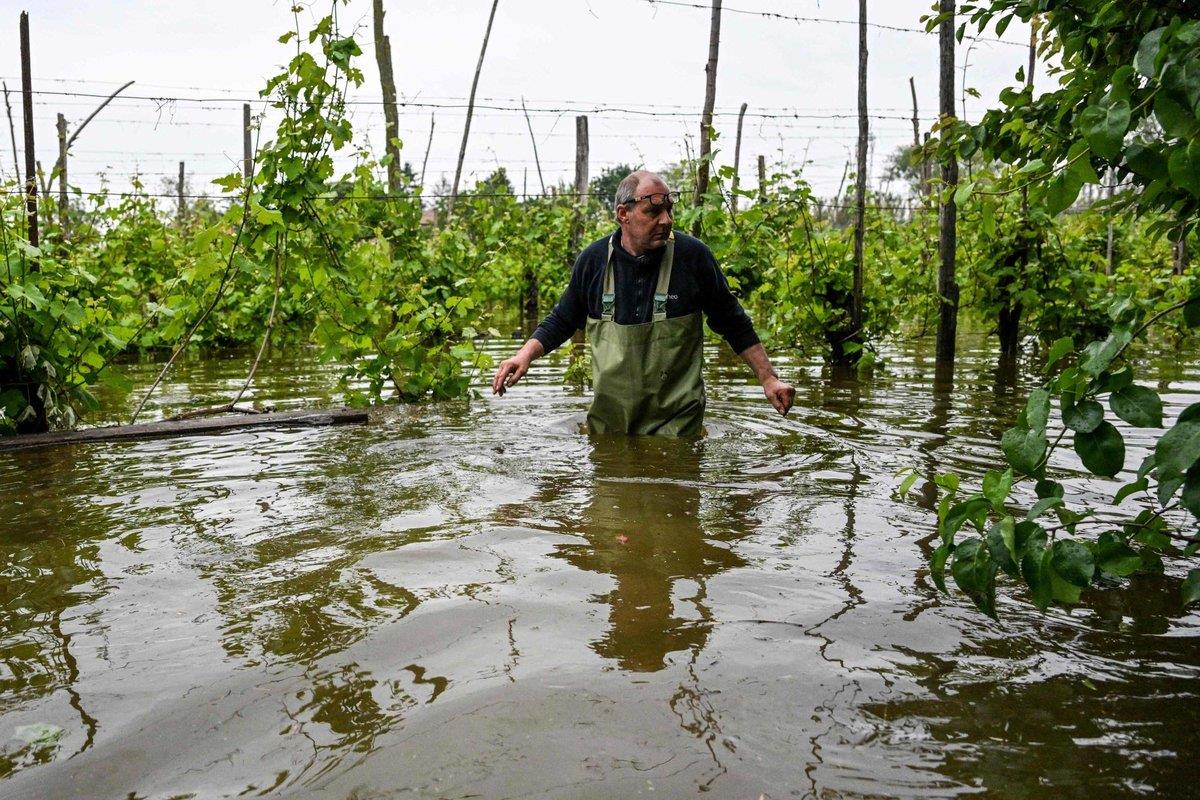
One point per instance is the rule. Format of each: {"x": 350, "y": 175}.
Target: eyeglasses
{"x": 658, "y": 200}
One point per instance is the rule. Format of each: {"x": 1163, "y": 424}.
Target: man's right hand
{"x": 513, "y": 369}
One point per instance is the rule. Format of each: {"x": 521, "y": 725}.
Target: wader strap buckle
{"x": 607, "y": 302}
{"x": 660, "y": 306}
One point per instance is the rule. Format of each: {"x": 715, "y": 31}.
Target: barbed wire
{"x": 429, "y": 196}
{"x": 790, "y": 18}
{"x": 599, "y": 109}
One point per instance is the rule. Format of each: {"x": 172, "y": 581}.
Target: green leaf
{"x": 1191, "y": 313}
{"x": 1190, "y": 499}
{"x": 1037, "y": 410}
{"x": 1137, "y": 405}
{"x": 1114, "y": 556}
{"x": 947, "y": 480}
{"x": 1061, "y": 192}
{"x": 1042, "y": 506}
{"x": 1102, "y": 451}
{"x": 1147, "y": 161}
{"x": 975, "y": 573}
{"x": 1062, "y": 590}
{"x": 1146, "y": 59}
{"x": 906, "y": 485}
{"x": 1177, "y": 450}
{"x": 963, "y": 192}
{"x": 1190, "y": 413}
{"x": 1047, "y": 488}
{"x": 1184, "y": 170}
{"x": 1002, "y": 545}
{"x": 1073, "y": 562}
{"x": 1176, "y": 121}
{"x": 1104, "y": 127}
{"x": 1060, "y": 348}
{"x": 937, "y": 566}
{"x": 1098, "y": 355}
{"x": 996, "y": 486}
{"x": 1024, "y": 449}
{"x": 1083, "y": 417}
{"x": 1035, "y": 568}
{"x": 1140, "y": 485}
{"x": 973, "y": 509}
{"x": 1191, "y": 587}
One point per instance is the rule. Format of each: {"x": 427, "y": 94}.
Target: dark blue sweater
{"x": 696, "y": 285}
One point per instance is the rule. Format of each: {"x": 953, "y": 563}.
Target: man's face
{"x": 645, "y": 226}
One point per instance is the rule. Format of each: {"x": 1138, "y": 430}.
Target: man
{"x": 641, "y": 293}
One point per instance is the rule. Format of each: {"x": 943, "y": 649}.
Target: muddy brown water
{"x": 470, "y": 599}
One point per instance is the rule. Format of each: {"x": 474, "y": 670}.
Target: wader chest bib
{"x": 646, "y": 377}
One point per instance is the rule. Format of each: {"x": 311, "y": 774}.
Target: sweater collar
{"x": 648, "y": 259}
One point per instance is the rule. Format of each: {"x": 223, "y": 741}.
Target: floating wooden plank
{"x": 186, "y": 427}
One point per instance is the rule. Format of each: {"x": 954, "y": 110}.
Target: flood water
{"x": 471, "y": 599}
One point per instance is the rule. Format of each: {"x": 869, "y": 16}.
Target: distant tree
{"x": 604, "y": 186}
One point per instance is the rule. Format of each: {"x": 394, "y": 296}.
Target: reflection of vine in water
{"x": 938, "y": 425}
{"x": 344, "y": 703}
{"x": 697, "y": 715}
{"x": 854, "y": 595}
{"x": 38, "y": 586}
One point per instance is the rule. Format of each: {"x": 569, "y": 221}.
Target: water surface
{"x": 470, "y": 599}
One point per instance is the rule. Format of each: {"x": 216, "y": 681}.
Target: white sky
{"x": 564, "y": 56}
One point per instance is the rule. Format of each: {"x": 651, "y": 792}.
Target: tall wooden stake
{"x": 462, "y": 150}
{"x": 428, "y": 147}
{"x": 918, "y": 153}
{"x": 706, "y": 121}
{"x": 581, "y": 187}
{"x": 737, "y": 160}
{"x": 31, "y": 203}
{"x": 391, "y": 117}
{"x": 533, "y": 139}
{"x": 247, "y": 146}
{"x": 948, "y": 221}
{"x": 182, "y": 200}
{"x": 12, "y": 134}
{"x": 762, "y": 178}
{"x": 61, "y": 125}
{"x": 860, "y": 188}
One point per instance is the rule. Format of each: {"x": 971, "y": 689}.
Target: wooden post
{"x": 948, "y": 221}
{"x": 462, "y": 150}
{"x": 182, "y": 200}
{"x": 762, "y": 179}
{"x": 533, "y": 139}
{"x": 860, "y": 189}
{"x": 926, "y": 169}
{"x": 12, "y": 134}
{"x": 581, "y": 187}
{"x": 391, "y": 118}
{"x": 247, "y": 147}
{"x": 918, "y": 153}
{"x": 737, "y": 160}
{"x": 428, "y": 147}
{"x": 31, "y": 203}
{"x": 61, "y": 124}
{"x": 710, "y": 99}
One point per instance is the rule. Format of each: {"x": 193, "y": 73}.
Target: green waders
{"x": 646, "y": 377}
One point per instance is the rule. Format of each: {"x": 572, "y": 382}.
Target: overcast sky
{"x": 563, "y": 56}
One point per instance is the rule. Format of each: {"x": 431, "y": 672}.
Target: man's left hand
{"x": 780, "y": 394}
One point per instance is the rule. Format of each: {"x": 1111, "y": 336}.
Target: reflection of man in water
{"x": 642, "y": 527}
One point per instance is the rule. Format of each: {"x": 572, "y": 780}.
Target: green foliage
{"x": 1056, "y": 562}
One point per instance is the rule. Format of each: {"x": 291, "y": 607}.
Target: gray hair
{"x": 626, "y": 188}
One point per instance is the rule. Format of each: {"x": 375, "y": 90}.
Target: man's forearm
{"x": 532, "y": 349}
{"x": 756, "y": 357}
